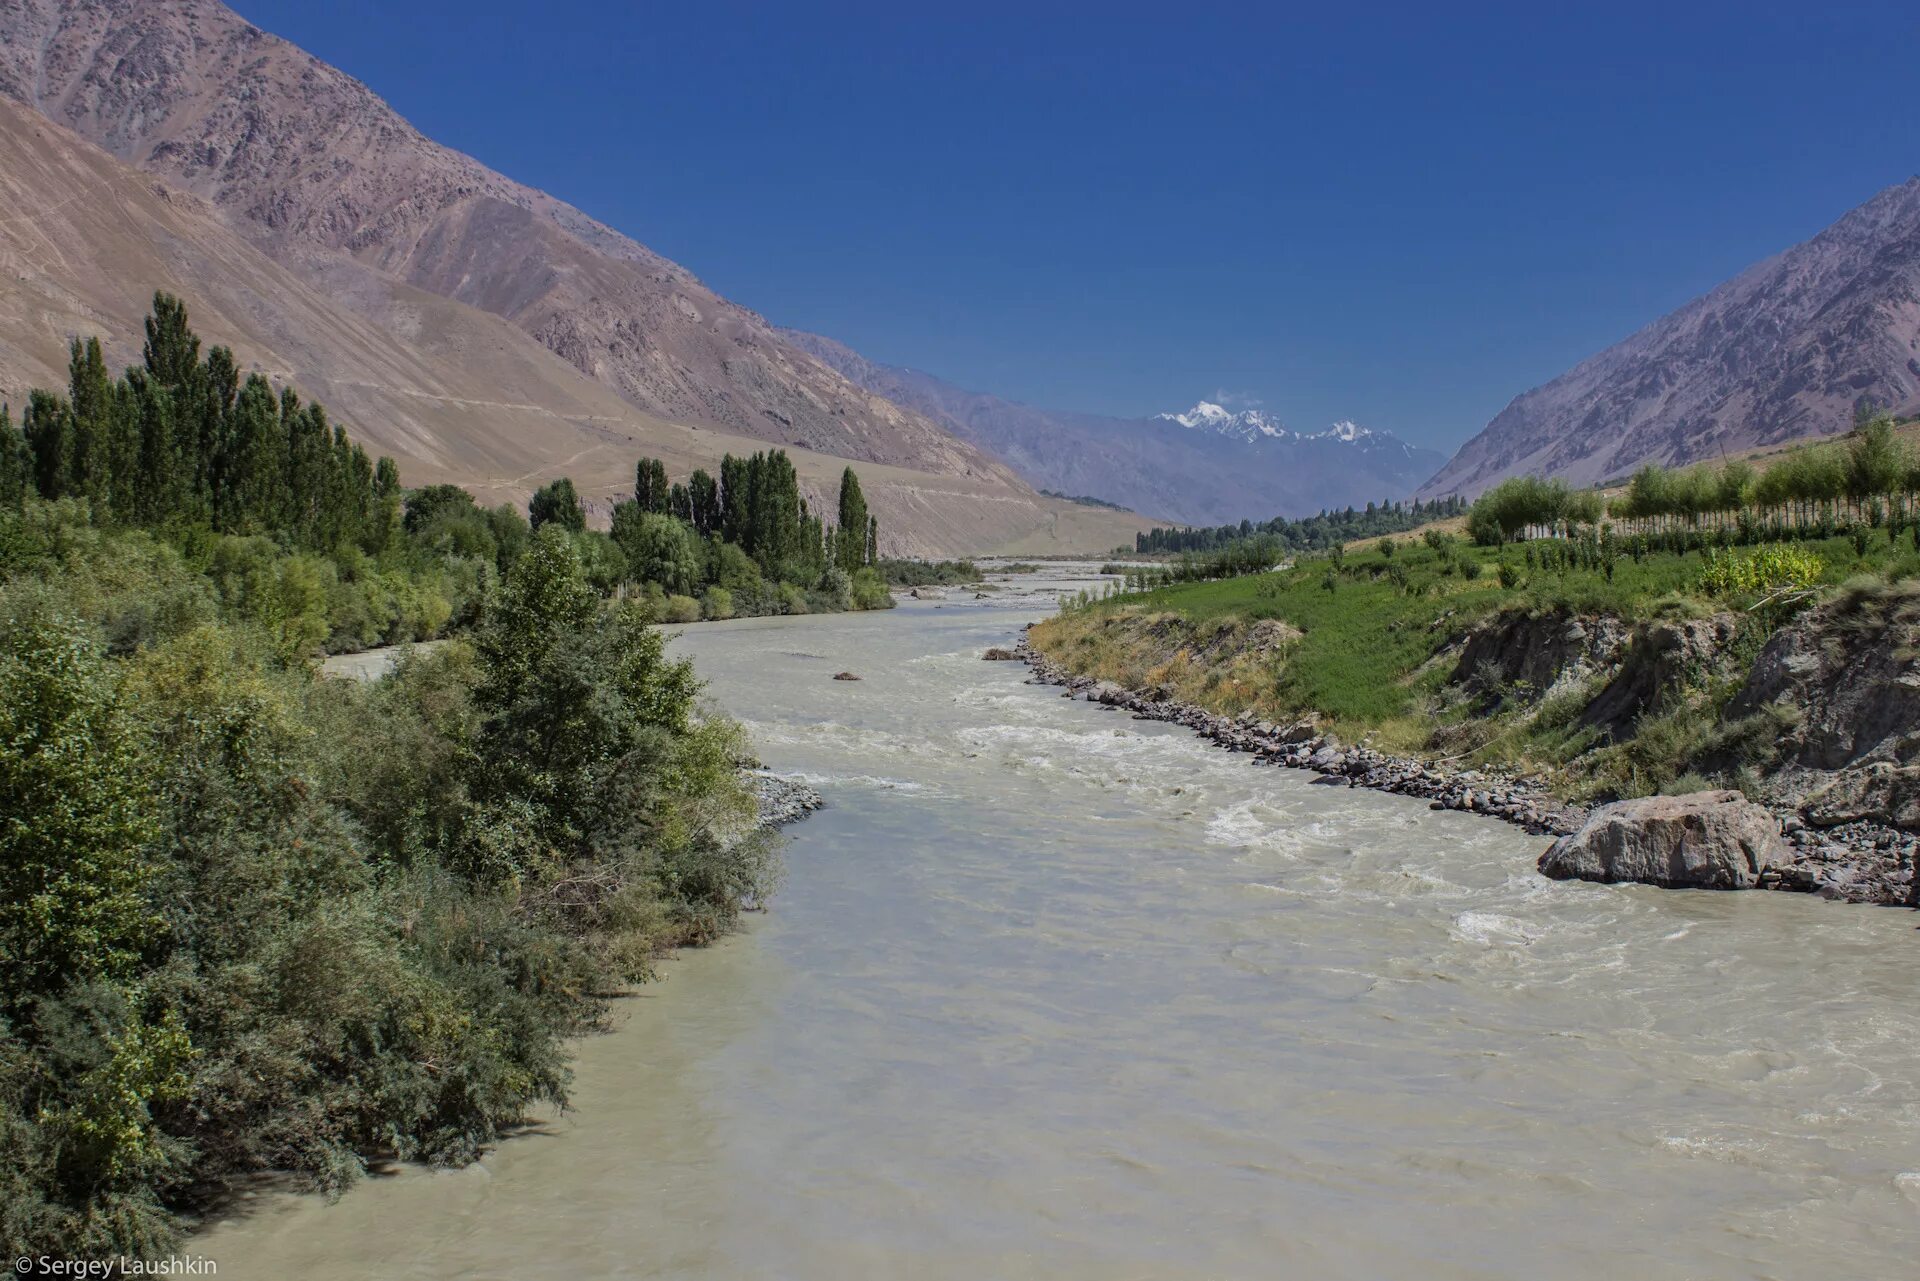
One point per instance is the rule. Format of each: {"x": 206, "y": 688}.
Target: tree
{"x": 77, "y": 803}
{"x": 431, "y": 502}
{"x": 90, "y": 392}
{"x": 559, "y": 503}
{"x": 659, "y": 549}
{"x": 650, "y": 488}
{"x": 16, "y": 461}
{"x": 568, "y": 692}
{"x": 704, "y": 494}
{"x": 172, "y": 351}
{"x": 252, "y": 473}
{"x": 853, "y": 542}
{"x": 48, "y": 426}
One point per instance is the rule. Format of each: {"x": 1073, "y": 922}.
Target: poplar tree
{"x": 48, "y": 425}
{"x": 16, "y": 461}
{"x": 853, "y": 540}
{"x": 704, "y": 493}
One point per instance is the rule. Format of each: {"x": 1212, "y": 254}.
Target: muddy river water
{"x": 1052, "y": 993}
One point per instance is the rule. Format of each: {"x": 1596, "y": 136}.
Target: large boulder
{"x": 1704, "y": 840}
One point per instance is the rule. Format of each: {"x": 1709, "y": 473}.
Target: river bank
{"x": 1855, "y": 859}
{"x": 778, "y": 801}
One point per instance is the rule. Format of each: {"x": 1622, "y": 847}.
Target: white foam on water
{"x": 853, "y": 780}
{"x": 1493, "y": 929}
{"x": 1253, "y": 824}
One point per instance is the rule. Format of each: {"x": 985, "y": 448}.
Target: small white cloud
{"x": 1237, "y": 399}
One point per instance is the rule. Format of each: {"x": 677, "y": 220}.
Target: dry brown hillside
{"x": 453, "y": 392}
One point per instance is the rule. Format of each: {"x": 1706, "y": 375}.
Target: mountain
{"x": 1785, "y": 350}
{"x": 452, "y": 392}
{"x": 1256, "y": 424}
{"x": 1247, "y": 424}
{"x": 1203, "y": 466}
{"x": 479, "y": 330}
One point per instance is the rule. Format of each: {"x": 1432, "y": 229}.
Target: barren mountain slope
{"x": 310, "y": 164}
{"x": 1785, "y": 350}
{"x": 452, "y": 392}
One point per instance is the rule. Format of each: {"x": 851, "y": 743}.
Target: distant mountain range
{"x": 476, "y": 329}
{"x": 1207, "y": 465}
{"x": 1257, "y": 424}
{"x": 1786, "y": 350}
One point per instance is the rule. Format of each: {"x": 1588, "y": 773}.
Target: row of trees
{"x": 756, "y": 506}
{"x": 182, "y": 440}
{"x": 1522, "y": 506}
{"x": 182, "y": 443}
{"x": 745, "y": 543}
{"x": 1870, "y": 478}
{"x": 1312, "y": 533}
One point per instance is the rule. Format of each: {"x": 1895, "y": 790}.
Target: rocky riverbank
{"x": 1861, "y": 862}
{"x": 782, "y": 800}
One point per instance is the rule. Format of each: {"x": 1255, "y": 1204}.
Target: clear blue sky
{"x": 1400, "y": 214}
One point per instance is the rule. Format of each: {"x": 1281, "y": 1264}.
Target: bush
{"x": 1773, "y": 568}
{"x": 869, "y": 590}
{"x": 680, "y": 609}
{"x": 717, "y": 603}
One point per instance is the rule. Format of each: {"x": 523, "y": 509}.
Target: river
{"x": 1052, "y": 993}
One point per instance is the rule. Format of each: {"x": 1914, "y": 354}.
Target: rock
{"x": 1880, "y": 791}
{"x": 782, "y": 800}
{"x": 999, "y": 655}
{"x": 1327, "y": 780}
{"x": 845, "y": 676}
{"x": 1106, "y": 692}
{"x": 1706, "y": 840}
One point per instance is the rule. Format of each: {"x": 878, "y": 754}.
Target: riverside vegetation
{"x": 1757, "y": 632}
{"x": 253, "y": 920}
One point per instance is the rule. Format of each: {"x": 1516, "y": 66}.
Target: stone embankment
{"x": 1861, "y": 861}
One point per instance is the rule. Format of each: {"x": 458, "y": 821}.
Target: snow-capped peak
{"x": 1346, "y": 431}
{"x": 1255, "y": 425}
{"x": 1248, "y": 424}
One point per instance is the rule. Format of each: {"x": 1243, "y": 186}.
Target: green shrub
{"x": 869, "y": 590}
{"x": 681, "y": 609}
{"x": 717, "y": 603}
{"x": 1772, "y": 568}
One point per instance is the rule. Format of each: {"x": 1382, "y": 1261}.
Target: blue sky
{"x": 1404, "y": 215}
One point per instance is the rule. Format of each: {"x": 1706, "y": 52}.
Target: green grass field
{"x": 1371, "y": 621}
